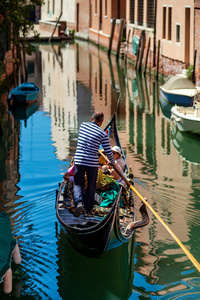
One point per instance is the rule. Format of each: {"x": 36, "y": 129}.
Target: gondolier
{"x": 86, "y": 160}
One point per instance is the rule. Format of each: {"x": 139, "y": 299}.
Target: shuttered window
{"x": 164, "y": 23}
{"x": 132, "y": 11}
{"x": 178, "y": 33}
{"x": 140, "y": 12}
{"x": 169, "y": 23}
{"x": 105, "y": 7}
{"x": 150, "y": 14}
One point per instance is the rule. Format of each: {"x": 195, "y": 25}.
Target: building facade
{"x": 101, "y": 20}
{"x": 176, "y": 27}
{"x": 169, "y": 25}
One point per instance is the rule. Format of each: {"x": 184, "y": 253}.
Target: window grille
{"x": 150, "y": 14}
{"x": 140, "y": 12}
{"x": 132, "y": 11}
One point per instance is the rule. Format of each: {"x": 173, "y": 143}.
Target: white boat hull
{"x": 187, "y": 119}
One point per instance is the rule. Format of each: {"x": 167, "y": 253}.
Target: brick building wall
{"x": 82, "y": 15}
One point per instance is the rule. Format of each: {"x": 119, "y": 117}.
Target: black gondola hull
{"x": 93, "y": 239}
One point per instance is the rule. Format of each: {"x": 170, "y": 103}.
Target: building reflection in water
{"x": 77, "y": 79}
{"x": 87, "y": 81}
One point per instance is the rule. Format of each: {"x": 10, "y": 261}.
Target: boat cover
{"x": 7, "y": 244}
{"x": 178, "y": 82}
{"x": 135, "y": 43}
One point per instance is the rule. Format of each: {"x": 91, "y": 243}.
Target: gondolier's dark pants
{"x": 79, "y": 181}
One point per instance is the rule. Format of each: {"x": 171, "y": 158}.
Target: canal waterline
{"x": 75, "y": 80}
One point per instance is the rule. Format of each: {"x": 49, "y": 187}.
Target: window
{"x": 95, "y": 7}
{"x": 178, "y": 33}
{"x": 164, "y": 23}
{"x": 53, "y": 6}
{"x": 140, "y": 12}
{"x": 169, "y": 23}
{"x": 31, "y": 67}
{"x": 105, "y": 7}
{"x": 150, "y": 14}
{"x": 132, "y": 11}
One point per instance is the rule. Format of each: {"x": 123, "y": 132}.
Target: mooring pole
{"x": 193, "y": 73}
{"x": 121, "y": 28}
{"x": 158, "y": 58}
{"x": 111, "y": 35}
{"x": 148, "y": 47}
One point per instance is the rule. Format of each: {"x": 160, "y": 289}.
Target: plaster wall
{"x": 171, "y": 48}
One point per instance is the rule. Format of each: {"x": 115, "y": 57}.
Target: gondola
{"x": 110, "y": 226}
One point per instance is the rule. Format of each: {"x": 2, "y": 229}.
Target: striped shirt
{"x": 89, "y": 140}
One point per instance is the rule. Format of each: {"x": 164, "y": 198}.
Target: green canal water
{"x": 35, "y": 151}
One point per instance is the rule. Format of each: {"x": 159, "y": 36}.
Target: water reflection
{"x": 186, "y": 144}
{"x": 75, "y": 80}
{"x": 165, "y": 107}
{"x": 23, "y": 112}
{"x": 108, "y": 277}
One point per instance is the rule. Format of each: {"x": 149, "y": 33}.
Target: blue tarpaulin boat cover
{"x": 135, "y": 43}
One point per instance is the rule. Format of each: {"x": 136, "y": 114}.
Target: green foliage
{"x": 189, "y": 72}
{"x": 17, "y": 13}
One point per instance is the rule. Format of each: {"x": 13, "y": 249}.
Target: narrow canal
{"x": 35, "y": 151}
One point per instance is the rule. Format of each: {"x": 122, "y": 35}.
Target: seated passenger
{"x": 69, "y": 176}
{"x": 118, "y": 157}
{"x": 108, "y": 169}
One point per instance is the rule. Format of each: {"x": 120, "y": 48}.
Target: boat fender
{"x": 16, "y": 255}
{"x": 7, "y": 282}
{"x": 173, "y": 118}
{"x": 178, "y": 120}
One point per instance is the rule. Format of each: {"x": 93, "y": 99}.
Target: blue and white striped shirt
{"x": 89, "y": 140}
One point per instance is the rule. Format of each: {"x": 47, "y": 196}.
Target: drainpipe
{"x": 154, "y": 38}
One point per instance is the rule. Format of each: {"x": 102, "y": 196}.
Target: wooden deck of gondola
{"x": 70, "y": 220}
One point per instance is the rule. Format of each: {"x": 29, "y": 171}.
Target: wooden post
{"x": 148, "y": 47}
{"x": 143, "y": 40}
{"x": 193, "y": 72}
{"x": 154, "y": 36}
{"x": 138, "y": 53}
{"x": 111, "y": 35}
{"x": 158, "y": 58}
{"x": 129, "y": 33}
{"x": 121, "y": 28}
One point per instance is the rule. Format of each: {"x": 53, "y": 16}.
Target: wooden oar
{"x": 189, "y": 255}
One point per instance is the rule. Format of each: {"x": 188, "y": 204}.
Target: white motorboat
{"x": 187, "y": 118}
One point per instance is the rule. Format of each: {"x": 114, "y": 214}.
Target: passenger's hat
{"x": 117, "y": 149}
